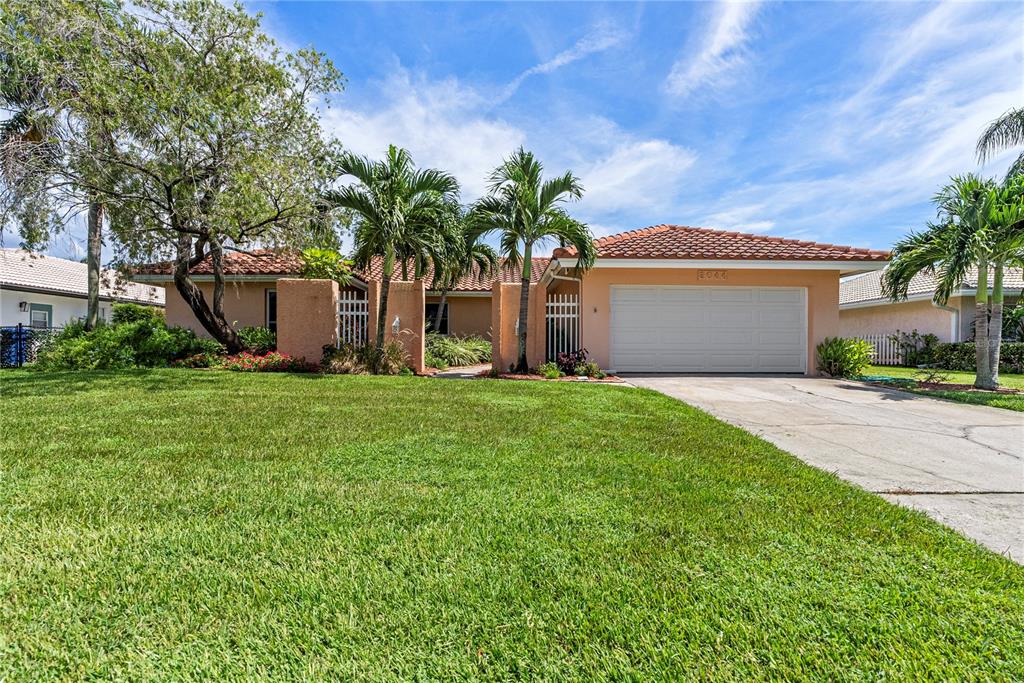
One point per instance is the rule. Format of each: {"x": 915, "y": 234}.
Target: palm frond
{"x": 1005, "y": 132}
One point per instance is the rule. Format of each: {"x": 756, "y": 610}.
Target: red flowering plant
{"x": 269, "y": 362}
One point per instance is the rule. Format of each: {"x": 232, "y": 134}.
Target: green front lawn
{"x": 986, "y": 398}
{"x": 189, "y": 524}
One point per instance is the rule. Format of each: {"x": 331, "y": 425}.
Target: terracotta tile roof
{"x": 20, "y": 269}
{"x": 868, "y": 286}
{"x": 473, "y": 282}
{"x": 684, "y": 242}
{"x": 257, "y": 262}
{"x": 274, "y": 264}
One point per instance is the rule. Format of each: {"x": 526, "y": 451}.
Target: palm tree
{"x": 527, "y": 211}
{"x": 397, "y": 209}
{"x": 1005, "y": 132}
{"x": 976, "y": 229}
{"x": 465, "y": 254}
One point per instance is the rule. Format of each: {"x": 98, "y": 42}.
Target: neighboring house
{"x": 250, "y": 298}
{"x": 662, "y": 299}
{"x": 44, "y": 291}
{"x": 865, "y": 312}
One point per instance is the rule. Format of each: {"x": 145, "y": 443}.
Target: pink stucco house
{"x": 666, "y": 298}
{"x": 865, "y": 312}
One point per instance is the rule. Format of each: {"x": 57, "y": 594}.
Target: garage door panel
{"x": 780, "y": 296}
{"x": 725, "y": 295}
{"x": 708, "y": 329}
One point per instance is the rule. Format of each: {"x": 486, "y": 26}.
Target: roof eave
{"x": 843, "y": 266}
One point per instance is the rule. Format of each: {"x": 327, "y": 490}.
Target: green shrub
{"x": 589, "y": 369}
{"x": 915, "y": 348}
{"x": 364, "y": 359}
{"x": 960, "y": 356}
{"x": 133, "y": 313}
{"x": 141, "y": 339}
{"x": 549, "y": 370}
{"x": 258, "y": 340}
{"x": 840, "y": 357}
{"x": 325, "y": 264}
{"x": 451, "y": 351}
{"x": 270, "y": 362}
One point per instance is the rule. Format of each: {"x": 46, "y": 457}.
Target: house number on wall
{"x": 718, "y": 275}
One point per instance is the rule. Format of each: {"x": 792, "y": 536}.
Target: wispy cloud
{"x": 603, "y": 37}
{"x": 719, "y": 55}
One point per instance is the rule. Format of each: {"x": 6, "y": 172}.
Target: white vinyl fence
{"x": 562, "y": 322}
{"x": 353, "y": 318}
{"x": 887, "y": 351}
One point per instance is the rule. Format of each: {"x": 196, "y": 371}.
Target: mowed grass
{"x": 199, "y": 525}
{"x": 984, "y": 398}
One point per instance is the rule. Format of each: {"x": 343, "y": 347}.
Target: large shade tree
{"x": 213, "y": 141}
{"x": 399, "y": 214}
{"x": 529, "y": 211}
{"x": 30, "y": 154}
{"x": 978, "y": 228}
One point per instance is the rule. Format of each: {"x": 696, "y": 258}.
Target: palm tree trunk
{"x": 983, "y": 371}
{"x": 524, "y": 308}
{"x": 440, "y": 310}
{"x": 94, "y": 249}
{"x": 405, "y": 269}
{"x": 995, "y": 324}
{"x": 382, "y": 308}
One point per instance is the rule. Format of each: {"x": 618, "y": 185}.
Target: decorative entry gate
{"x": 562, "y": 324}
{"x": 353, "y": 318}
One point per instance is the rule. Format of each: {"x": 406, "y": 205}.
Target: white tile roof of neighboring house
{"x": 867, "y": 287}
{"x": 20, "y": 269}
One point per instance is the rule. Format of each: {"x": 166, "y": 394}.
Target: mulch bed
{"x": 610, "y": 379}
{"x": 940, "y": 386}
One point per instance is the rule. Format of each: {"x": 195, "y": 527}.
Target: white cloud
{"x": 634, "y": 174}
{"x": 603, "y": 37}
{"x": 441, "y": 123}
{"x": 720, "y": 54}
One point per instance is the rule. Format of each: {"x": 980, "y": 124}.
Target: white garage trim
{"x": 686, "y": 328}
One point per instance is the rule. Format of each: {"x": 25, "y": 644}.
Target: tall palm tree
{"x": 465, "y": 254}
{"x": 397, "y": 208}
{"x": 1005, "y": 132}
{"x": 527, "y": 211}
{"x": 977, "y": 227}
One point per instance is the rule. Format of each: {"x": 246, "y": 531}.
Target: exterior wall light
{"x": 395, "y": 324}
{"x": 23, "y": 306}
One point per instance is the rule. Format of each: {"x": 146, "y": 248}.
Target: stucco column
{"x": 536, "y": 332}
{"x": 407, "y": 306}
{"x": 307, "y": 317}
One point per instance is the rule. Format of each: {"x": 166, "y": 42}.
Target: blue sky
{"x": 827, "y": 121}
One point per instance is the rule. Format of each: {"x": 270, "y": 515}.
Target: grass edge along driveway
{"x": 189, "y": 524}
{"x": 983, "y": 398}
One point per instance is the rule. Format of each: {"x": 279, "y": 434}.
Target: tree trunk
{"x": 94, "y": 254}
{"x": 440, "y": 310}
{"x": 524, "y": 308}
{"x": 995, "y": 324}
{"x": 405, "y": 269}
{"x": 216, "y": 325}
{"x": 382, "y": 309}
{"x": 983, "y": 372}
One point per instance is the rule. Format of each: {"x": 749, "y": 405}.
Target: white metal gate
{"x": 562, "y": 318}
{"x": 353, "y": 318}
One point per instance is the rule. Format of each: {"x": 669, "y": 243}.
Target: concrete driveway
{"x": 963, "y": 465}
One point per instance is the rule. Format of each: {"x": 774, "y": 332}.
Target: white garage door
{"x": 708, "y": 329}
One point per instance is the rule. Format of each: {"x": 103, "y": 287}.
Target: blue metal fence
{"x": 20, "y": 343}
